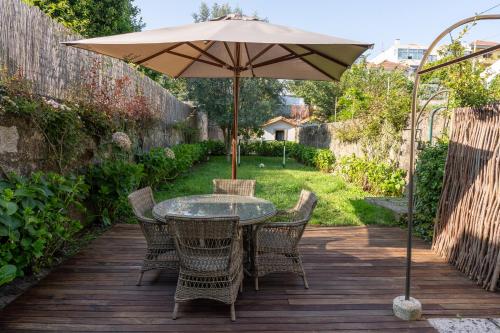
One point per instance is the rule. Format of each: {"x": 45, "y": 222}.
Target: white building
{"x": 280, "y": 128}
{"x": 407, "y": 54}
{"x": 491, "y": 72}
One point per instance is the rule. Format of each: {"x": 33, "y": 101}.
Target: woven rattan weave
{"x": 160, "y": 252}
{"x": 244, "y": 187}
{"x": 276, "y": 241}
{"x": 211, "y": 259}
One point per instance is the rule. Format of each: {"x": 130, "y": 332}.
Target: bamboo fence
{"x": 467, "y": 228}
{"x": 30, "y": 40}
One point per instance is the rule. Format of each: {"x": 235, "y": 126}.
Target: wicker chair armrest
{"x": 282, "y": 224}
{"x": 283, "y": 216}
{"x": 145, "y": 219}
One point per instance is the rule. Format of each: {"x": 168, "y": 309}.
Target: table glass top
{"x": 249, "y": 209}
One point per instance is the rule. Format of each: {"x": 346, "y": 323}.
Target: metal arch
{"x": 422, "y": 109}
{"x": 413, "y": 123}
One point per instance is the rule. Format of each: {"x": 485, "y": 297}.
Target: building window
{"x": 416, "y": 54}
{"x": 279, "y": 135}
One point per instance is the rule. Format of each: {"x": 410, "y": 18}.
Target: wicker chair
{"x": 244, "y": 187}
{"x": 210, "y": 259}
{"x": 276, "y": 241}
{"x": 160, "y": 253}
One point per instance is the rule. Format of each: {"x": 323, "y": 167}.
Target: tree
{"x": 93, "y": 18}
{"x": 260, "y": 99}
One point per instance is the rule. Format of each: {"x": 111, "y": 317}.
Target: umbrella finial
{"x": 235, "y": 16}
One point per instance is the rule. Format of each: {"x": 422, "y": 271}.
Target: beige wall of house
{"x": 288, "y": 131}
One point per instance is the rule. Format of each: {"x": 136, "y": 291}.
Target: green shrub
{"x": 373, "y": 177}
{"x": 188, "y": 154}
{"x": 429, "y": 175}
{"x": 110, "y": 184}
{"x": 322, "y": 159}
{"x": 158, "y": 167}
{"x": 35, "y": 219}
{"x": 215, "y": 148}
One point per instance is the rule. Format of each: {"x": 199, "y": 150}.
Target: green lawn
{"x": 339, "y": 203}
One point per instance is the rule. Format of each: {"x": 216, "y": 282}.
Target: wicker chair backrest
{"x": 204, "y": 244}
{"x": 156, "y": 232}
{"x": 305, "y": 206}
{"x": 142, "y": 202}
{"x": 244, "y": 187}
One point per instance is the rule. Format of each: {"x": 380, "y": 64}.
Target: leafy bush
{"x": 110, "y": 184}
{"x": 35, "y": 220}
{"x": 322, "y": 159}
{"x": 429, "y": 175}
{"x": 188, "y": 154}
{"x": 373, "y": 177}
{"x": 114, "y": 179}
{"x": 158, "y": 167}
{"x": 215, "y": 148}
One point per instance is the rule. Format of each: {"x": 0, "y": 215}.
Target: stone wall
{"x": 22, "y": 148}
{"x": 30, "y": 40}
{"x": 324, "y": 136}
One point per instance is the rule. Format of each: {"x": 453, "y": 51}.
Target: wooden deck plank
{"x": 354, "y": 273}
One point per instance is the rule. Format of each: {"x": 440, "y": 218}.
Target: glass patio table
{"x": 251, "y": 210}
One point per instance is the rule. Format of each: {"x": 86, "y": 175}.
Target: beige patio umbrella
{"x": 232, "y": 46}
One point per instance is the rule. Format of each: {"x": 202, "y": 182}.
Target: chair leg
{"x": 139, "y": 280}
{"x": 256, "y": 281}
{"x": 176, "y": 308}
{"x": 306, "y": 284}
{"x": 233, "y": 313}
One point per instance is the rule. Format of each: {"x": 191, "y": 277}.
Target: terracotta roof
{"x": 280, "y": 118}
{"x": 389, "y": 65}
{"x": 478, "y": 42}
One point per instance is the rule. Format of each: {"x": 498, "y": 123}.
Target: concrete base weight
{"x": 407, "y": 309}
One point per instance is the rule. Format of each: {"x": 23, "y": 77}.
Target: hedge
{"x": 321, "y": 159}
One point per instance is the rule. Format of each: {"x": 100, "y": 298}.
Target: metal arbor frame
{"x": 414, "y": 106}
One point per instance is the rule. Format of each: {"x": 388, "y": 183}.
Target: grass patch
{"x": 340, "y": 204}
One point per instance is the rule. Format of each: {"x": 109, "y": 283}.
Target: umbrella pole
{"x": 236, "y": 95}
{"x": 234, "y": 144}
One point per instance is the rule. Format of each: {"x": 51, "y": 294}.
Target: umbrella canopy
{"x": 232, "y": 46}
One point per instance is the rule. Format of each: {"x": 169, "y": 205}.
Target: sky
{"x": 373, "y": 21}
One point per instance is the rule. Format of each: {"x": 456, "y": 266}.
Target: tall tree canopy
{"x": 260, "y": 98}
{"x": 93, "y": 18}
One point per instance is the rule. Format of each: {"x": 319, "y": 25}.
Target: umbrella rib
{"x": 229, "y": 53}
{"x": 249, "y": 62}
{"x": 286, "y": 57}
{"x": 310, "y": 63}
{"x": 258, "y": 55}
{"x": 195, "y": 59}
{"x": 321, "y": 54}
{"x": 192, "y": 62}
{"x": 140, "y": 62}
{"x": 211, "y": 56}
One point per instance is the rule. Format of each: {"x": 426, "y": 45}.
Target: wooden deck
{"x": 354, "y": 273}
